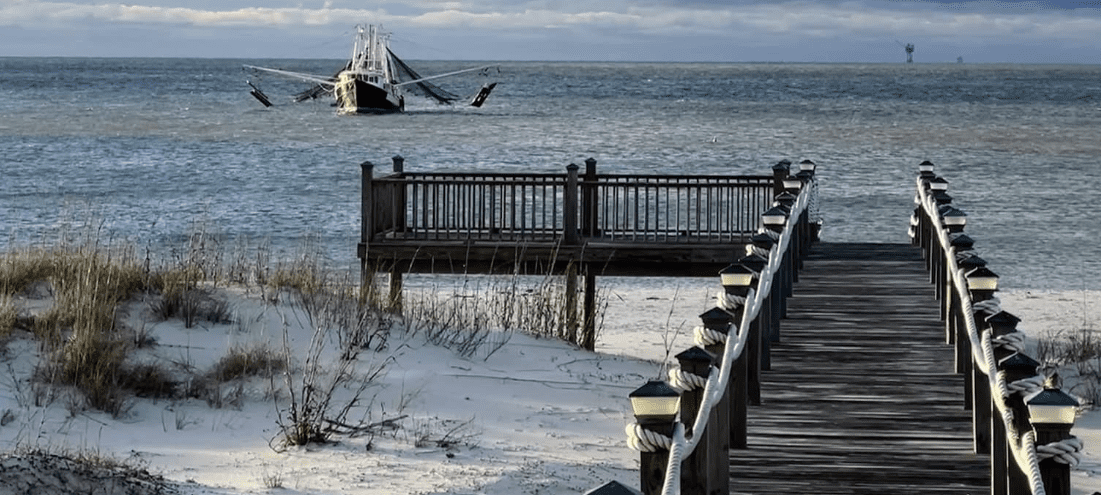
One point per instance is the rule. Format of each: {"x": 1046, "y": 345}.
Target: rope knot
{"x": 1066, "y": 451}
{"x": 704, "y": 336}
{"x": 684, "y": 381}
{"x": 728, "y": 302}
{"x": 1014, "y": 341}
{"x": 644, "y": 440}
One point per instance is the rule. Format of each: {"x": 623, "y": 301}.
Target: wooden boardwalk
{"x": 861, "y": 397}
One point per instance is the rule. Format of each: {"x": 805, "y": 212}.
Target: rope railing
{"x": 1028, "y": 452}
{"x": 668, "y": 450}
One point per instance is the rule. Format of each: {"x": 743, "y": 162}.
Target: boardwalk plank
{"x": 861, "y": 398}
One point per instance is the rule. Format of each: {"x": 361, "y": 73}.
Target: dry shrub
{"x": 8, "y": 316}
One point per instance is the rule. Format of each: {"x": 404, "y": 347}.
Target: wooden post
{"x": 652, "y": 464}
{"x": 1017, "y": 367}
{"x": 365, "y": 227}
{"x": 588, "y": 331}
{"x": 570, "y": 236}
{"x": 395, "y": 290}
{"x": 779, "y": 173}
{"x": 732, "y": 407}
{"x": 1002, "y": 323}
{"x": 653, "y": 412}
{"x": 399, "y": 205}
{"x": 590, "y": 201}
{"x": 696, "y": 468}
{"x": 980, "y": 408}
{"x": 571, "y": 303}
{"x": 1056, "y": 475}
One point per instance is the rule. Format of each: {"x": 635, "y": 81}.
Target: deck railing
{"x": 687, "y": 450}
{"x": 1029, "y": 452}
{"x": 562, "y": 207}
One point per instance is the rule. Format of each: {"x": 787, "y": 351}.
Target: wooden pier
{"x": 861, "y": 397}
{"x": 822, "y": 369}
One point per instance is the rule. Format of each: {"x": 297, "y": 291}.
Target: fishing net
{"x": 424, "y": 88}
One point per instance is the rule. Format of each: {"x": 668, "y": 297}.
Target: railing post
{"x": 779, "y": 173}
{"x": 400, "y": 198}
{"x": 655, "y": 406}
{"x": 590, "y": 200}
{"x": 1017, "y": 367}
{"x": 1001, "y": 324}
{"x": 1051, "y": 413}
{"x": 733, "y": 405}
{"x": 569, "y": 209}
{"x": 697, "y": 469}
{"x": 366, "y": 212}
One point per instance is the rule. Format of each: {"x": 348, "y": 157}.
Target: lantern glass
{"x": 736, "y": 275}
{"x": 807, "y": 165}
{"x": 656, "y": 399}
{"x": 1052, "y": 406}
{"x": 982, "y": 283}
{"x": 1061, "y": 415}
{"x": 736, "y": 279}
{"x": 955, "y": 218}
{"x": 774, "y": 216}
{"x": 792, "y": 183}
{"x": 982, "y": 279}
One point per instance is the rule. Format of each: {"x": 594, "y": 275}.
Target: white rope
{"x": 1027, "y": 387}
{"x": 1022, "y": 445}
{"x": 728, "y": 302}
{"x": 717, "y": 382}
{"x": 685, "y": 381}
{"x": 644, "y": 440}
{"x": 1014, "y": 341}
{"x": 703, "y": 336}
{"x": 1066, "y": 451}
{"x": 1025, "y": 454}
{"x": 990, "y": 306}
{"x": 752, "y": 249}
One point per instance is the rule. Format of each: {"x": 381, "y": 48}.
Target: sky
{"x": 864, "y": 31}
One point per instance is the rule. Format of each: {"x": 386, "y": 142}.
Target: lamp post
{"x": 1051, "y": 413}
{"x": 807, "y": 166}
{"x": 780, "y": 171}
{"x": 982, "y": 283}
{"x": 731, "y": 432}
{"x": 655, "y": 406}
{"x": 774, "y": 219}
{"x": 954, "y": 219}
{"x": 925, "y": 169}
{"x": 698, "y": 472}
{"x": 737, "y": 280}
{"x": 792, "y": 184}
{"x": 1017, "y": 367}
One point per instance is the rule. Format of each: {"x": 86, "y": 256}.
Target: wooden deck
{"x": 861, "y": 397}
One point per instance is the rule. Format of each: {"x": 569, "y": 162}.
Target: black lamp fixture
{"x": 774, "y": 219}
{"x": 656, "y": 402}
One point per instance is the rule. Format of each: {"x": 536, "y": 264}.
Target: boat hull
{"x": 355, "y": 93}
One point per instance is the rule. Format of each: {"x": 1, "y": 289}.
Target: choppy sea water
{"x": 148, "y": 147}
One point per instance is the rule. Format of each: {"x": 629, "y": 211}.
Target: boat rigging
{"x": 374, "y": 80}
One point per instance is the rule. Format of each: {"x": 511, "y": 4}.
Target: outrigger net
{"x": 423, "y": 88}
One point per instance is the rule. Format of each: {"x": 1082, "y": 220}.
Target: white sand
{"x": 537, "y": 416}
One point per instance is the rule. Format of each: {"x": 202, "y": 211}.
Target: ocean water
{"x": 147, "y": 148}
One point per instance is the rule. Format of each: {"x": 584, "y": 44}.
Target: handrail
{"x": 927, "y": 226}
{"x": 502, "y": 206}
{"x": 681, "y": 444}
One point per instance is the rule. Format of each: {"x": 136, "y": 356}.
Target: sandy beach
{"x": 533, "y": 416}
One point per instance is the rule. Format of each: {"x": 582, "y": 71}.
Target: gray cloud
{"x": 782, "y": 24}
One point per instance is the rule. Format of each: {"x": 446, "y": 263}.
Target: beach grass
{"x": 84, "y": 345}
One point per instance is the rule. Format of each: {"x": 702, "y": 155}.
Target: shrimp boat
{"x": 374, "y": 80}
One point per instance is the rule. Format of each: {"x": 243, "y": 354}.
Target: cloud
{"x": 757, "y": 23}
